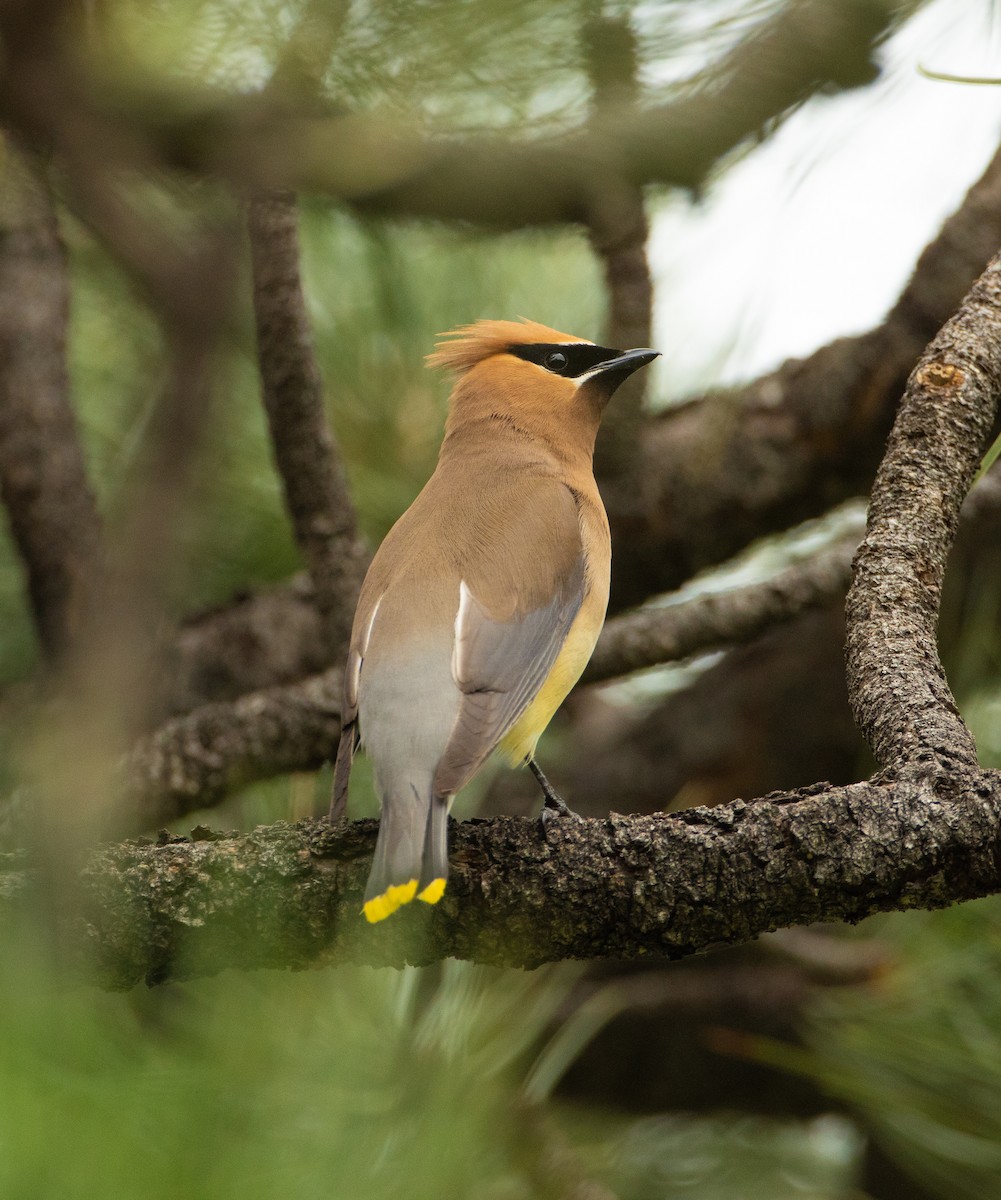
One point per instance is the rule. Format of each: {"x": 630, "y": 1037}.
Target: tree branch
{"x": 618, "y": 230}
{"x": 192, "y": 761}
{"x": 899, "y": 691}
{"x": 808, "y": 45}
{"x": 720, "y": 619}
{"x": 394, "y": 170}
{"x": 259, "y": 640}
{"x": 728, "y": 468}
{"x": 316, "y": 490}
{"x": 50, "y": 505}
{"x": 522, "y": 895}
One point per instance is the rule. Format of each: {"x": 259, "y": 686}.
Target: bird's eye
{"x": 555, "y": 362}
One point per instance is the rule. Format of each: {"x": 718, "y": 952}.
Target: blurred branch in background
{"x": 316, "y": 491}
{"x": 392, "y": 170}
{"x": 48, "y": 498}
{"x": 808, "y": 45}
{"x": 618, "y": 230}
{"x": 729, "y": 467}
{"x": 181, "y": 254}
{"x": 154, "y": 124}
{"x": 716, "y": 621}
{"x": 193, "y": 761}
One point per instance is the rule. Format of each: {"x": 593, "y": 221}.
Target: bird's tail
{"x": 411, "y": 854}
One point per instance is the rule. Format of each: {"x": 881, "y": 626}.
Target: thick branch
{"x": 896, "y": 682}
{"x": 316, "y": 490}
{"x": 51, "y": 508}
{"x": 522, "y": 895}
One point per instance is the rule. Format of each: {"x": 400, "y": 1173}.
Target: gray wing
{"x": 499, "y": 666}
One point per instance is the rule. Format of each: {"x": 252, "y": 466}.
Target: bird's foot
{"x": 554, "y": 805}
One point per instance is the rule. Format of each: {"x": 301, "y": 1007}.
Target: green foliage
{"x": 353, "y": 1083}
{"x": 728, "y": 1156}
{"x": 439, "y": 62}
{"x": 918, "y": 1056}
{"x": 341, "y": 1083}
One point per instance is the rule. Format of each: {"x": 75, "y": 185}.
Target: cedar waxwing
{"x": 482, "y": 606}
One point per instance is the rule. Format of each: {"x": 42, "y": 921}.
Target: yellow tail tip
{"x": 433, "y": 892}
{"x": 381, "y": 907}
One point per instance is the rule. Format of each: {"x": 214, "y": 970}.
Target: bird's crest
{"x": 464, "y": 347}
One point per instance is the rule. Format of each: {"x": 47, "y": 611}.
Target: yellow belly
{"x": 518, "y": 744}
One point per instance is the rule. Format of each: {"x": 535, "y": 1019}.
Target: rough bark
{"x": 316, "y": 489}
{"x": 522, "y": 895}
{"x": 898, "y": 687}
{"x": 50, "y": 505}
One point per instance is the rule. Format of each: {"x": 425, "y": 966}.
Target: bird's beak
{"x": 624, "y": 364}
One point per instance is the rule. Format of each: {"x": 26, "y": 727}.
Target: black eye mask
{"x": 569, "y": 359}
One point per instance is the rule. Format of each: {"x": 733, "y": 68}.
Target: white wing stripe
{"x": 459, "y": 645}
{"x": 356, "y": 658}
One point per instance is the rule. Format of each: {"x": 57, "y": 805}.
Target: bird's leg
{"x": 342, "y": 772}
{"x": 554, "y": 804}
{"x": 338, "y": 808}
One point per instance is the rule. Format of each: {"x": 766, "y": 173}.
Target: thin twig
{"x": 618, "y": 230}
{"x": 721, "y": 619}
